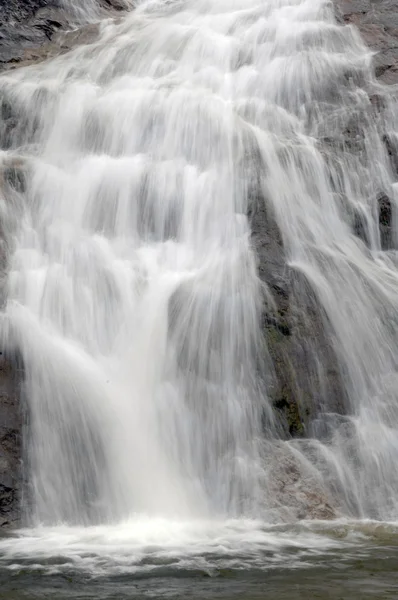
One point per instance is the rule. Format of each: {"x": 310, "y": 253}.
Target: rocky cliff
{"x": 306, "y": 373}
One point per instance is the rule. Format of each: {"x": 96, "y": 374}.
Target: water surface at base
{"x": 163, "y": 559}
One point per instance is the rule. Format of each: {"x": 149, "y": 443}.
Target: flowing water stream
{"x": 134, "y": 300}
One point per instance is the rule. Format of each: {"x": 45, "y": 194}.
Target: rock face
{"x": 305, "y": 374}
{"x": 27, "y": 27}
{"x": 12, "y": 181}
{"x": 377, "y": 21}
{"x": 304, "y": 371}
{"x": 10, "y": 442}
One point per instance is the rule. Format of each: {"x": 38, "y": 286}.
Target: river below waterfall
{"x": 245, "y": 560}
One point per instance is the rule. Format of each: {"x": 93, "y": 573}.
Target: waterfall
{"x": 133, "y": 292}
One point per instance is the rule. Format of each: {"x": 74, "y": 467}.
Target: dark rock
{"x": 385, "y": 221}
{"x": 301, "y": 372}
{"x": 118, "y": 5}
{"x": 360, "y": 227}
{"x": 14, "y": 11}
{"x": 31, "y": 30}
{"x": 61, "y": 42}
{"x": 27, "y": 24}
{"x": 10, "y": 442}
{"x": 15, "y": 178}
{"x": 391, "y": 144}
{"x": 377, "y": 22}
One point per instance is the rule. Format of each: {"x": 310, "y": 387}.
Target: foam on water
{"x": 153, "y": 547}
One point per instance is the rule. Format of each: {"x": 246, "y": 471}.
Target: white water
{"x": 133, "y": 293}
{"x": 148, "y": 547}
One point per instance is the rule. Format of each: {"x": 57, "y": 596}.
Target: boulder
{"x": 293, "y": 487}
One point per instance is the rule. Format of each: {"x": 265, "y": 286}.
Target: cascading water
{"x": 134, "y": 275}
{"x": 133, "y": 294}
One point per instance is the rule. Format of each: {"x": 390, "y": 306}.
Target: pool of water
{"x": 235, "y": 559}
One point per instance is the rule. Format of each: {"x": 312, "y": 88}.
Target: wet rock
{"x": 377, "y": 22}
{"x": 10, "y": 442}
{"x": 391, "y": 144}
{"x": 61, "y": 42}
{"x": 360, "y": 227}
{"x": 385, "y": 221}
{"x": 118, "y": 5}
{"x": 14, "y": 11}
{"x": 12, "y": 182}
{"x": 301, "y": 369}
{"x": 27, "y": 24}
{"x": 34, "y": 30}
{"x": 14, "y": 176}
